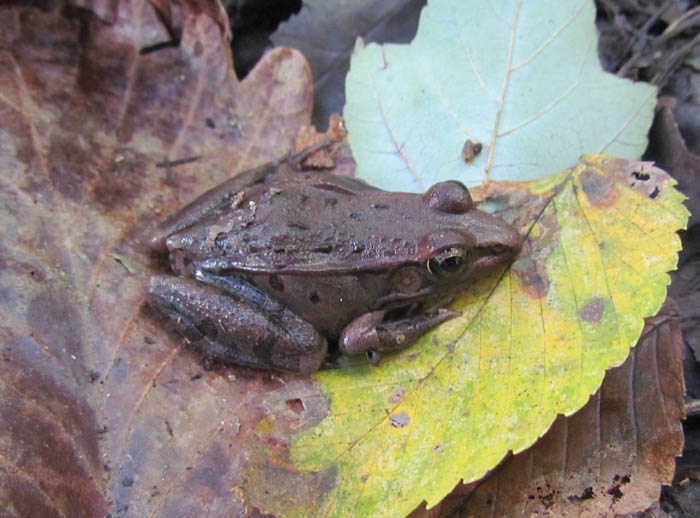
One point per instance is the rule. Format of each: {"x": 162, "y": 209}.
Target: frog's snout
{"x": 499, "y": 237}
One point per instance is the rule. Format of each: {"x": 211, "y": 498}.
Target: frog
{"x": 283, "y": 269}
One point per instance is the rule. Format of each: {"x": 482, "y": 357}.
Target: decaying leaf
{"x": 670, "y": 152}
{"x": 335, "y": 146}
{"x": 108, "y": 124}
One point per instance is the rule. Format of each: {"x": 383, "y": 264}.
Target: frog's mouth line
{"x": 398, "y": 300}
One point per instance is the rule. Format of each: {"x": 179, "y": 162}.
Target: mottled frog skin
{"x": 275, "y": 267}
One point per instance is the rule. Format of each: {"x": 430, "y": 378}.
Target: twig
{"x": 642, "y": 34}
{"x": 687, "y": 20}
{"x": 673, "y": 59}
{"x": 692, "y": 407}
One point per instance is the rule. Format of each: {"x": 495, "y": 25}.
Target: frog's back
{"x": 310, "y": 227}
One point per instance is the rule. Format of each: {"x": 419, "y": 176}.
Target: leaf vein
{"x": 553, "y": 36}
{"x": 577, "y": 195}
{"x": 573, "y": 292}
{"x": 399, "y": 148}
{"x": 501, "y": 99}
{"x": 468, "y": 53}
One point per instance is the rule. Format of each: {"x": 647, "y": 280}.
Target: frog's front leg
{"x": 370, "y": 334}
{"x": 245, "y": 327}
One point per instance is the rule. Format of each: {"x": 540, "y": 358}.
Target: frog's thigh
{"x": 212, "y": 201}
{"x": 236, "y": 330}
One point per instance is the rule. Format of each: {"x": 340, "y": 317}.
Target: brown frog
{"x": 275, "y": 267}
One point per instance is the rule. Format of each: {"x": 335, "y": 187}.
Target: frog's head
{"x": 475, "y": 242}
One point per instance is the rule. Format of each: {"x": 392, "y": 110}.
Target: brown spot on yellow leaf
{"x": 533, "y": 283}
{"x": 397, "y": 395}
{"x": 541, "y": 242}
{"x": 592, "y": 311}
{"x": 400, "y": 420}
{"x": 599, "y": 189}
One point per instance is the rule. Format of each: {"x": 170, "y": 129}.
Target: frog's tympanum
{"x": 275, "y": 268}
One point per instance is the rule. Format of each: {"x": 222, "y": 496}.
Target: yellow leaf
{"x": 532, "y": 342}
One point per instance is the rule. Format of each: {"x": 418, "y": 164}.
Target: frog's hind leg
{"x": 238, "y": 329}
{"x": 222, "y": 196}
{"x": 214, "y": 200}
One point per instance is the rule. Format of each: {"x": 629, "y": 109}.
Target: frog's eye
{"x": 448, "y": 261}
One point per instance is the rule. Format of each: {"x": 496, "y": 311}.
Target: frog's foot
{"x": 370, "y": 334}
{"x": 238, "y": 329}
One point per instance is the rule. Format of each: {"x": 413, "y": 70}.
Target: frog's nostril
{"x": 172, "y": 242}
{"x": 373, "y": 357}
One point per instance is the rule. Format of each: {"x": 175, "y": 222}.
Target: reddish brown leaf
{"x": 667, "y": 148}
{"x": 108, "y": 125}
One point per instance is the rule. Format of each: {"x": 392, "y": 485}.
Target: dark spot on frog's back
{"x": 380, "y": 206}
{"x": 355, "y": 216}
{"x": 208, "y": 329}
{"x": 297, "y": 226}
{"x": 313, "y": 297}
{"x": 276, "y": 283}
{"x": 263, "y": 350}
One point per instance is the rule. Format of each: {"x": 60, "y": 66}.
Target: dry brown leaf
{"x": 668, "y": 149}
{"x": 336, "y": 151}
{"x": 108, "y": 125}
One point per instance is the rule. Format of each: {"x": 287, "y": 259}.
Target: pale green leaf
{"x": 521, "y": 78}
